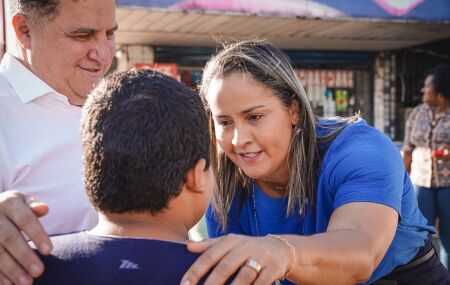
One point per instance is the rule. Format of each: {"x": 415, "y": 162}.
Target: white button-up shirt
{"x": 40, "y": 148}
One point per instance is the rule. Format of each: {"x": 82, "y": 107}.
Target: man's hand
{"x": 18, "y": 263}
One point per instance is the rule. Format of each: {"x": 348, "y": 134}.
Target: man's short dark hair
{"x": 37, "y": 11}
{"x": 441, "y": 79}
{"x": 142, "y": 132}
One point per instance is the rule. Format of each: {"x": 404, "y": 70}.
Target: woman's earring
{"x": 296, "y": 129}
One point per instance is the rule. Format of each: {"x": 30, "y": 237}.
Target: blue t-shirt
{"x": 360, "y": 165}
{"x": 82, "y": 258}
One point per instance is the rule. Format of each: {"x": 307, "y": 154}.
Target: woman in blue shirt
{"x": 300, "y": 199}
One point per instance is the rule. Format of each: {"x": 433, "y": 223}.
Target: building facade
{"x": 360, "y": 55}
{"x": 366, "y": 55}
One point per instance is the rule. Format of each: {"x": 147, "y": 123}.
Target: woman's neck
{"x": 272, "y": 189}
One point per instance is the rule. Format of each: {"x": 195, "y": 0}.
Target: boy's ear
{"x": 21, "y": 26}
{"x": 196, "y": 178}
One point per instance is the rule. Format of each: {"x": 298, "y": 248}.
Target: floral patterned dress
{"x": 426, "y": 130}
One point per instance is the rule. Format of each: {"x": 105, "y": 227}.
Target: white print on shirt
{"x": 127, "y": 264}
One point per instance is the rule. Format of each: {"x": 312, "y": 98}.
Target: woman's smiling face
{"x": 252, "y": 126}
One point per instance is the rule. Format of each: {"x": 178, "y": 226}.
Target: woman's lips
{"x": 249, "y": 156}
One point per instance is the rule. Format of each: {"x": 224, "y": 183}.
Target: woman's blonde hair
{"x": 271, "y": 68}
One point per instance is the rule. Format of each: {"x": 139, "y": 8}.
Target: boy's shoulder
{"x": 83, "y": 258}
{"x": 86, "y": 245}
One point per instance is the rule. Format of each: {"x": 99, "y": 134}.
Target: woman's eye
{"x": 254, "y": 117}
{"x": 224, "y": 123}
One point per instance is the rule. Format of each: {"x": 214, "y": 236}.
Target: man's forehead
{"x": 86, "y": 3}
{"x": 95, "y": 11}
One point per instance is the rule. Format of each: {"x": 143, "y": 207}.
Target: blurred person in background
{"x": 426, "y": 152}
{"x": 64, "y": 48}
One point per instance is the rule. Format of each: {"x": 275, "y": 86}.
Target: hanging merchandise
{"x": 191, "y": 76}
{"x": 329, "y": 91}
{"x": 197, "y": 76}
{"x": 341, "y": 100}
{"x": 329, "y": 106}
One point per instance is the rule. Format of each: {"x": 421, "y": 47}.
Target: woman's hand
{"x": 229, "y": 254}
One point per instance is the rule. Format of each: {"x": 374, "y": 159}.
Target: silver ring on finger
{"x": 254, "y": 265}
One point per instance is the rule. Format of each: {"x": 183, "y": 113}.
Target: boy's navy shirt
{"x": 83, "y": 258}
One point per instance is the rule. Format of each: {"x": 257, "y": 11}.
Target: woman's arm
{"x": 356, "y": 240}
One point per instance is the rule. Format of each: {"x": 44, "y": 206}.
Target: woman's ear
{"x": 294, "y": 112}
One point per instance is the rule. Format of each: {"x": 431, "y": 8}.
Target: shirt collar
{"x": 27, "y": 85}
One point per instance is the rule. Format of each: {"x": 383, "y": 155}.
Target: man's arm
{"x": 18, "y": 263}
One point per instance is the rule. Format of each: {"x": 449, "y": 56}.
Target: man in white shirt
{"x": 65, "y": 48}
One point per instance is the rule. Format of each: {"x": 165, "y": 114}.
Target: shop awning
{"x": 176, "y": 27}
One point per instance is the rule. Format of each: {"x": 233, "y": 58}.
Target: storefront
{"x": 412, "y": 64}
{"x": 347, "y": 54}
{"x": 332, "y": 79}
